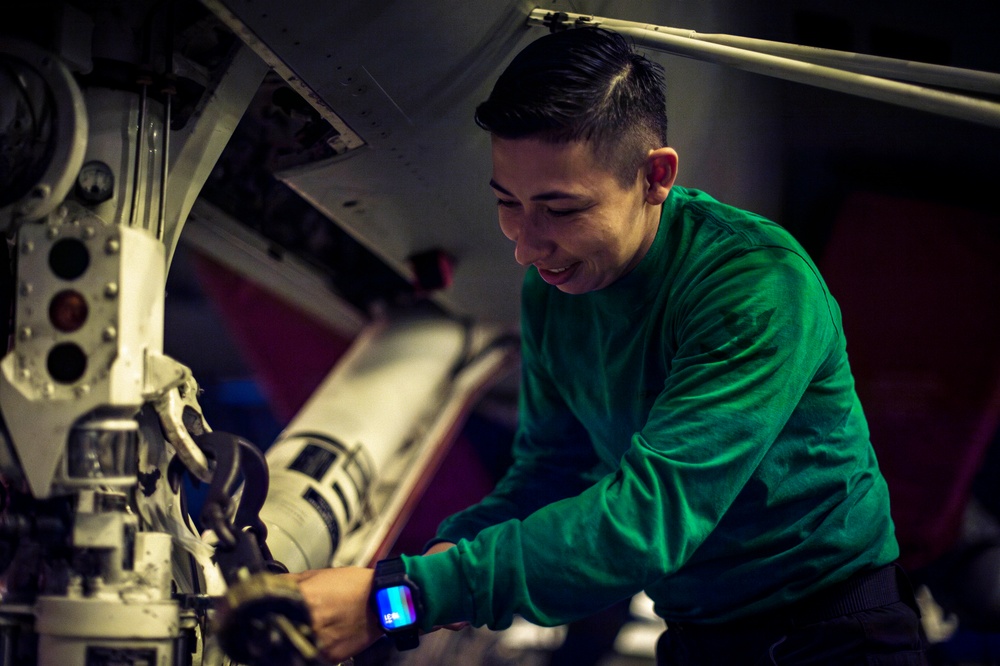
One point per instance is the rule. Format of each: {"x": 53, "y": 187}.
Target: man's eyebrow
{"x": 496, "y": 186}
{"x": 542, "y": 196}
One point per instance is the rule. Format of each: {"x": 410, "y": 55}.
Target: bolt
{"x": 25, "y": 333}
{"x": 112, "y": 246}
{"x": 89, "y": 232}
{"x": 111, "y": 290}
{"x": 48, "y": 389}
{"x": 27, "y": 288}
{"x": 109, "y": 334}
{"x": 41, "y": 191}
{"x": 27, "y": 247}
{"x": 52, "y": 232}
{"x": 82, "y": 390}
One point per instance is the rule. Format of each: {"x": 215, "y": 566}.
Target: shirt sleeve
{"x": 750, "y": 335}
{"x": 552, "y": 454}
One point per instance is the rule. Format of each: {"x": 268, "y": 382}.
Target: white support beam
{"x": 799, "y": 64}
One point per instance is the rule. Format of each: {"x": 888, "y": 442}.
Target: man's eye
{"x": 559, "y": 212}
{"x": 503, "y": 203}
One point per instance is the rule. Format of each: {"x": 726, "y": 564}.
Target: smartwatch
{"x": 397, "y": 602}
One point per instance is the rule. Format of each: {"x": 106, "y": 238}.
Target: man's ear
{"x": 660, "y": 169}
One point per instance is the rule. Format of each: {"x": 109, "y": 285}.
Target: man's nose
{"x": 531, "y": 245}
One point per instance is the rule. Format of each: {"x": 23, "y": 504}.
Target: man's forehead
{"x": 529, "y": 152}
{"x": 544, "y": 170}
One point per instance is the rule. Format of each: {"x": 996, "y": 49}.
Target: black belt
{"x": 870, "y": 589}
{"x": 862, "y": 591}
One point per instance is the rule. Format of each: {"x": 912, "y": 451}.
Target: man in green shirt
{"x": 688, "y": 420}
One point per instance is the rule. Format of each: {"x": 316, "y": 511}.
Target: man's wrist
{"x": 438, "y": 547}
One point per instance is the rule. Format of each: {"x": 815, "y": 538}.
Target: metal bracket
{"x": 173, "y": 392}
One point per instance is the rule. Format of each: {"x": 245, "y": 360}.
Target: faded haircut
{"x": 584, "y": 84}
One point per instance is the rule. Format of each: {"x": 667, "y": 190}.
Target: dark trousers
{"x": 871, "y": 619}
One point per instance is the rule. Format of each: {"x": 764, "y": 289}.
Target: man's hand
{"x": 342, "y": 617}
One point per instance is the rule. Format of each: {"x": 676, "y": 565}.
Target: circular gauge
{"x": 96, "y": 182}
{"x": 48, "y": 138}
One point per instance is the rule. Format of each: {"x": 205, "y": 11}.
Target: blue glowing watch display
{"x": 395, "y": 607}
{"x": 397, "y": 602}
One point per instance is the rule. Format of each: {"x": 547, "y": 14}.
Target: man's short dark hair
{"x": 584, "y": 84}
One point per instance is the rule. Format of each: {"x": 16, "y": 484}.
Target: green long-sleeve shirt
{"x": 691, "y": 430}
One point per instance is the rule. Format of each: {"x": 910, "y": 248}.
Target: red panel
{"x": 289, "y": 352}
{"x": 919, "y": 287}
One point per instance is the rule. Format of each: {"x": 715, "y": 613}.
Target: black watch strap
{"x": 391, "y": 567}
{"x": 406, "y": 640}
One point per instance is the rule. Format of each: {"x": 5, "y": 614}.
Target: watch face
{"x": 395, "y": 607}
